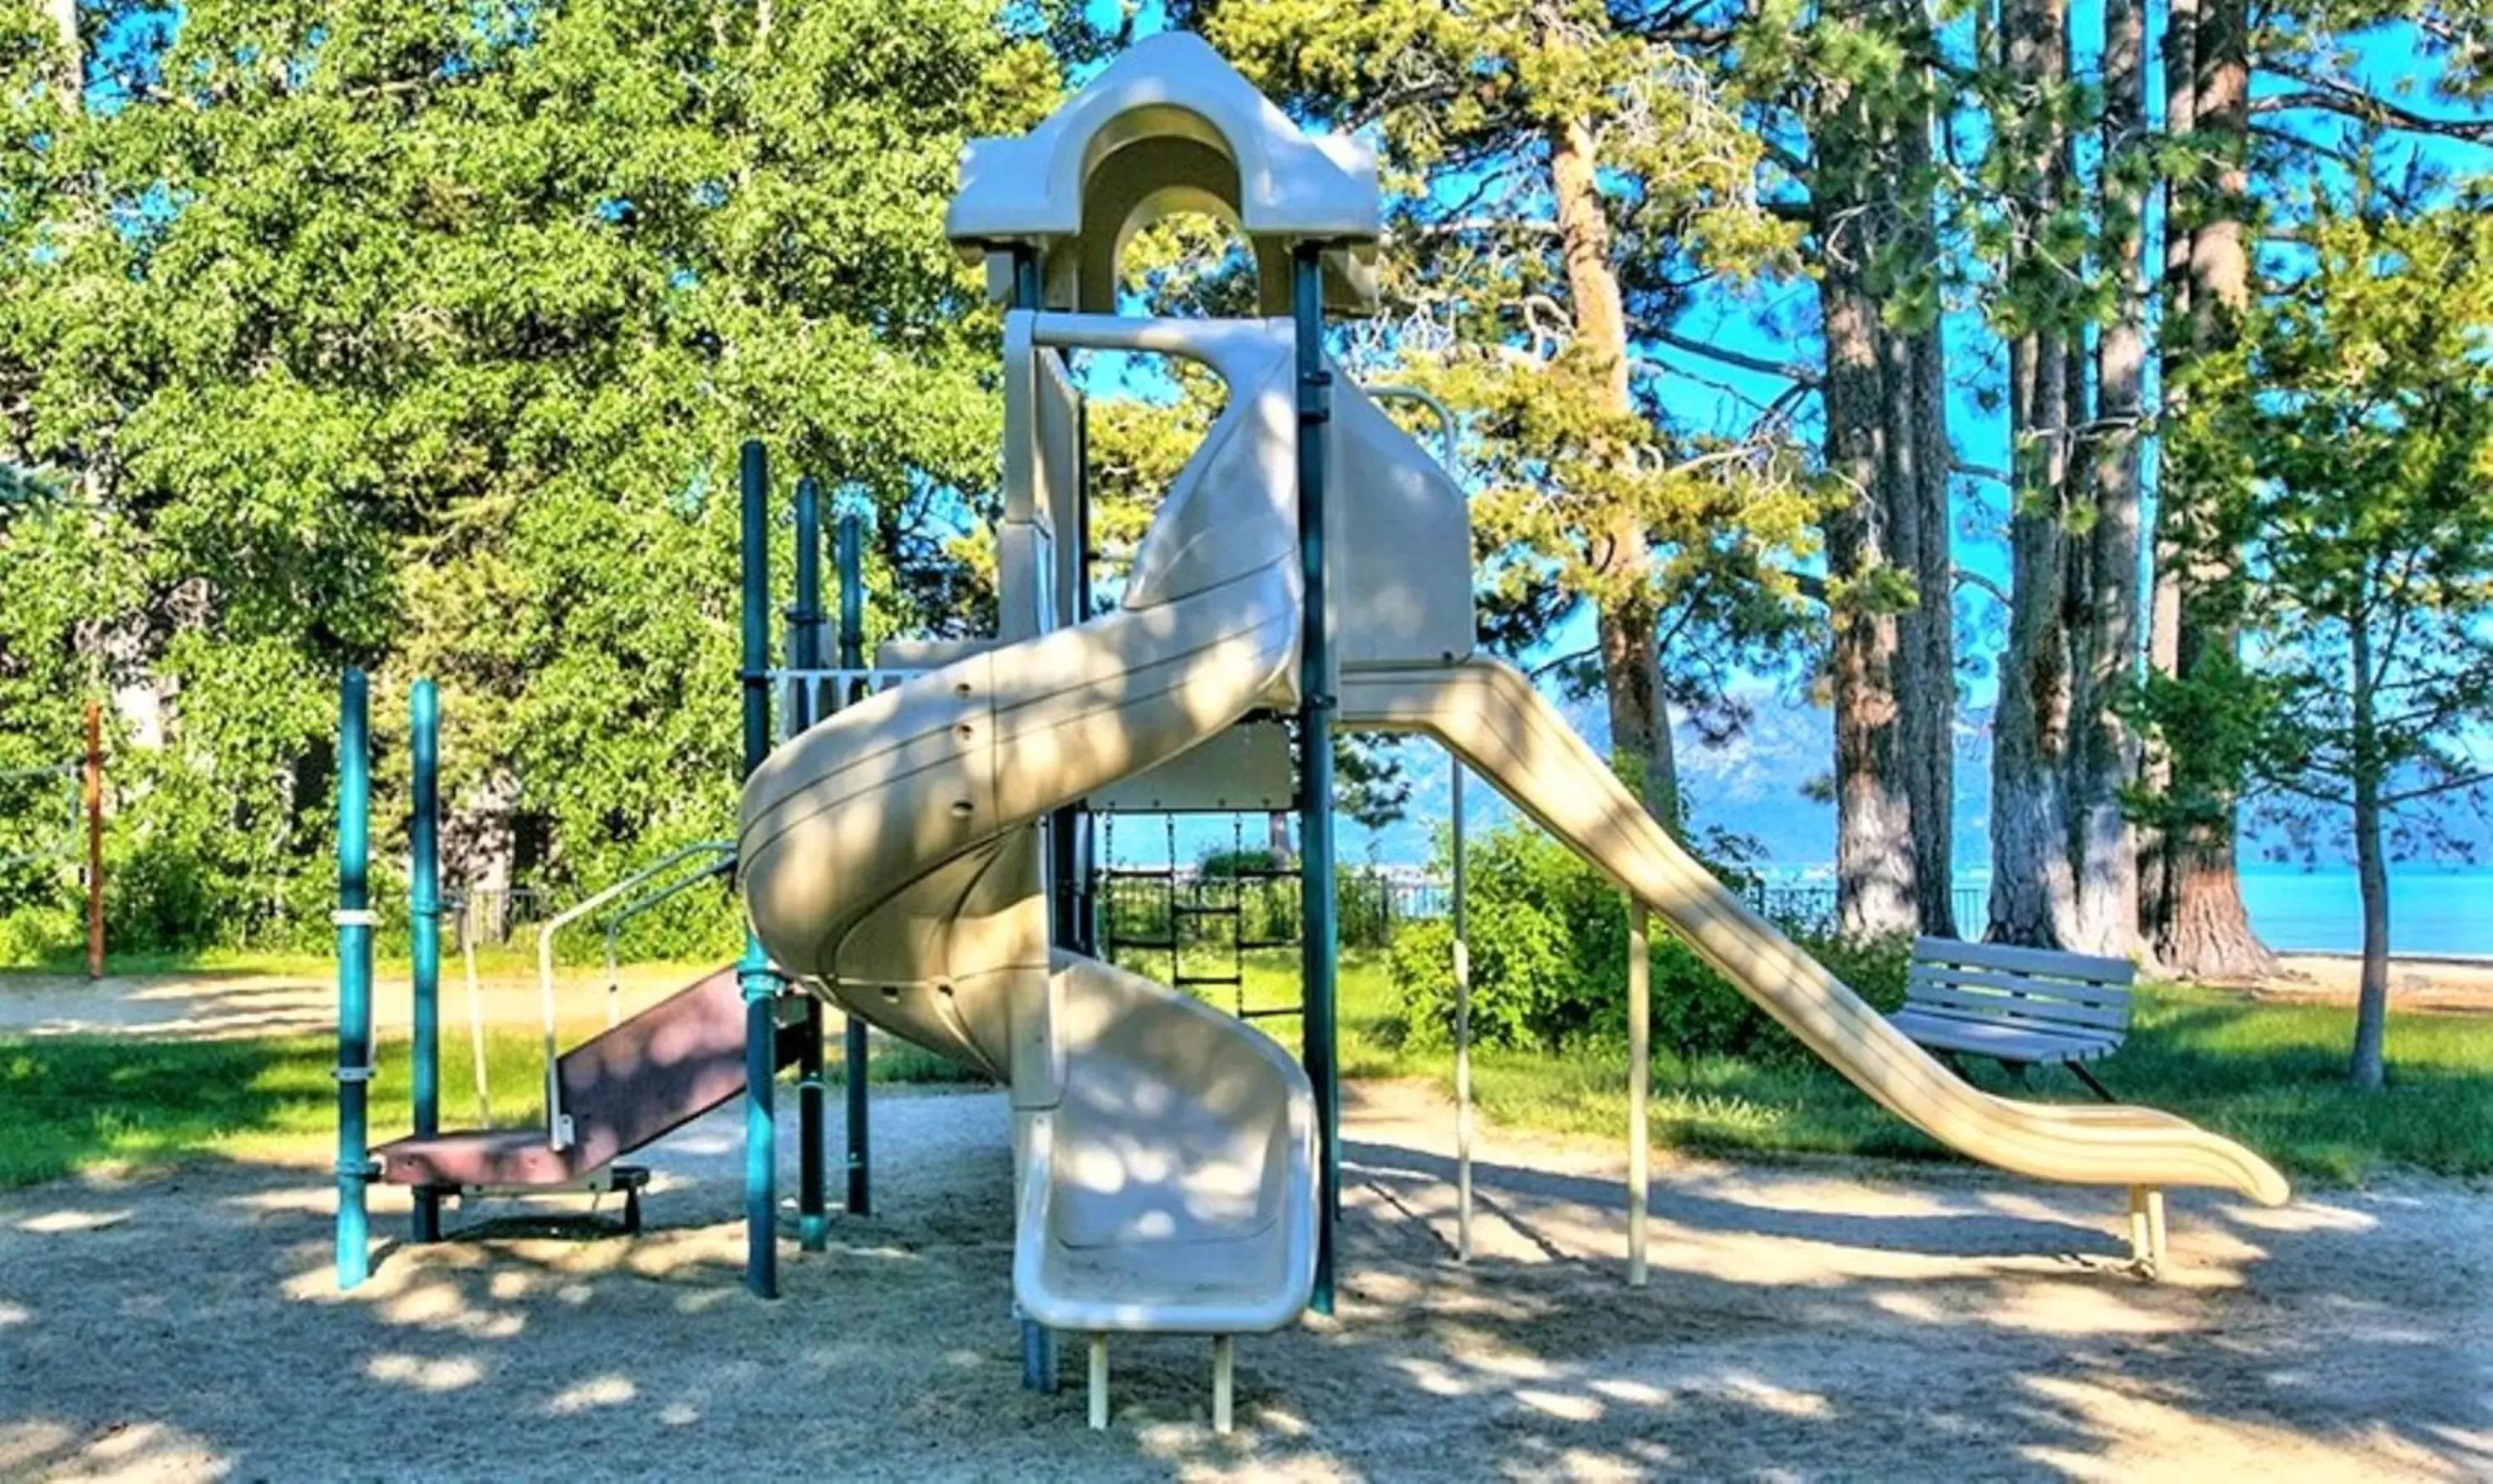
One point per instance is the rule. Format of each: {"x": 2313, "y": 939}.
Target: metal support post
{"x": 1639, "y": 1085}
{"x": 1065, "y": 926}
{"x": 354, "y": 921}
{"x": 761, "y": 985}
{"x": 1462, "y": 1039}
{"x": 856, "y": 1054}
{"x": 1315, "y": 758}
{"x": 423, "y": 931}
{"x": 805, "y": 656}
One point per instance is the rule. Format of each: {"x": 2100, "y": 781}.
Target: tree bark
{"x": 2369, "y": 1069}
{"x": 67, "y": 76}
{"x": 1874, "y": 847}
{"x": 1630, "y": 662}
{"x": 1913, "y": 368}
{"x": 2105, "y": 749}
{"x": 2155, "y": 887}
{"x": 2031, "y": 892}
{"x": 1934, "y": 578}
{"x": 2205, "y": 932}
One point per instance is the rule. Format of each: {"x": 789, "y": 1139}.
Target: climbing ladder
{"x": 1191, "y": 902}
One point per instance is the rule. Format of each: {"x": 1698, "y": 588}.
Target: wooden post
{"x": 1099, "y": 1383}
{"x": 94, "y": 840}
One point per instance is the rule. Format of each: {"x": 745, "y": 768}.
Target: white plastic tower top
{"x": 1169, "y": 126}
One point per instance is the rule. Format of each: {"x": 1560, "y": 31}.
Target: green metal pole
{"x": 1319, "y": 947}
{"x": 805, "y": 654}
{"x": 760, "y": 984}
{"x": 354, "y": 920}
{"x": 1065, "y": 927}
{"x": 850, "y": 558}
{"x": 423, "y": 929}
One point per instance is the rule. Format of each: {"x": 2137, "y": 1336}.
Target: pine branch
{"x": 1789, "y": 370}
{"x": 2331, "y": 96}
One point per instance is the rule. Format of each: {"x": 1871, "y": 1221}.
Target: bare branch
{"x": 1789, "y": 370}
{"x": 2335, "y": 97}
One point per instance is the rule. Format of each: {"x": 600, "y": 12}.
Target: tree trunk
{"x": 67, "y": 76}
{"x": 2105, "y": 749}
{"x": 2369, "y": 1069}
{"x": 2032, "y": 894}
{"x": 2206, "y": 932}
{"x": 1913, "y": 369}
{"x": 1630, "y": 665}
{"x": 2156, "y": 888}
{"x": 1874, "y": 845}
{"x": 1632, "y": 681}
{"x": 1935, "y": 639}
{"x": 1924, "y": 677}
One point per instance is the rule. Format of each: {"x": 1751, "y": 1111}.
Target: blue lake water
{"x": 2430, "y": 911}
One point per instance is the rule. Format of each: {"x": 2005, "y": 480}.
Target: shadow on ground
{"x": 1826, "y": 1320}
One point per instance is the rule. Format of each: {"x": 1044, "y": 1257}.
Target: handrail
{"x": 466, "y": 905}
{"x": 851, "y": 681}
{"x": 613, "y": 923}
{"x": 1384, "y": 391}
{"x": 557, "y": 1122}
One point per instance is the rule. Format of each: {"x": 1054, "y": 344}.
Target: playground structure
{"x": 915, "y": 849}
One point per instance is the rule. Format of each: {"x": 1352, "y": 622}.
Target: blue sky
{"x": 1775, "y": 322}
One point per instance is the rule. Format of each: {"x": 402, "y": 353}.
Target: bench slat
{"x": 2028, "y": 961}
{"x": 2083, "y": 990}
{"x": 2028, "y": 1008}
{"x": 2005, "y": 1042}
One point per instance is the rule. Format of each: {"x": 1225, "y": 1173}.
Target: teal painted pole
{"x": 805, "y": 653}
{"x": 1038, "y": 1340}
{"x": 760, "y": 984}
{"x": 423, "y": 929}
{"x": 849, "y": 559}
{"x": 1315, "y": 760}
{"x": 354, "y": 920}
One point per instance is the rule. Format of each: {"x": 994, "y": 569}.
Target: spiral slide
{"x": 1165, "y": 1150}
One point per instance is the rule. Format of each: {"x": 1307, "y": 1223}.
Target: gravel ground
{"x": 1806, "y": 1321}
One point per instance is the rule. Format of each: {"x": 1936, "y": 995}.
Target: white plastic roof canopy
{"x": 1169, "y": 127}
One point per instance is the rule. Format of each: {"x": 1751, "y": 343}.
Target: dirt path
{"x": 1821, "y": 1321}
{"x": 2463, "y": 987}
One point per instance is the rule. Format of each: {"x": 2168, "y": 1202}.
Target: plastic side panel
{"x": 1247, "y": 767}
{"x": 1402, "y": 544}
{"x": 1493, "y": 715}
{"x": 1060, "y": 422}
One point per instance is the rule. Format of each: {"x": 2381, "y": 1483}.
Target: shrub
{"x": 1520, "y": 977}
{"x": 1549, "y": 947}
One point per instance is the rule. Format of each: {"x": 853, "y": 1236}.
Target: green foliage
{"x": 421, "y": 336}
{"x": 1548, "y": 952}
{"x": 2350, "y": 438}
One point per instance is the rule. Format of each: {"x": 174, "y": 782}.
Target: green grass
{"x": 2271, "y": 1074}
{"x": 77, "y": 1103}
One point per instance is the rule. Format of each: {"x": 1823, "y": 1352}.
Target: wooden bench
{"x": 2021, "y": 1008}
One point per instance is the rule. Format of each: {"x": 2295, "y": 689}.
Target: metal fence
{"x": 1810, "y": 904}
{"x": 1141, "y": 906}
{"x": 1192, "y": 910}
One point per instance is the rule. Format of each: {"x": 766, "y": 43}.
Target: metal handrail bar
{"x": 557, "y": 1122}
